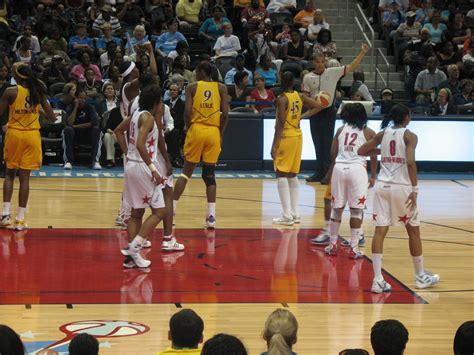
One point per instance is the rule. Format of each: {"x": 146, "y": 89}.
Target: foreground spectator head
{"x": 354, "y": 352}
{"x": 241, "y": 78}
{"x": 84, "y": 344}
{"x": 186, "y": 329}
{"x": 464, "y": 339}
{"x": 390, "y": 337}
{"x": 10, "y": 342}
{"x": 280, "y": 331}
{"x": 174, "y": 91}
{"x": 223, "y": 344}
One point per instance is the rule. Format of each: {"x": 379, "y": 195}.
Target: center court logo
{"x": 97, "y": 328}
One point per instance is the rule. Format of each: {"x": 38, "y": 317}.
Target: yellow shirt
{"x": 22, "y": 115}
{"x": 207, "y": 104}
{"x": 246, "y": 3}
{"x": 188, "y": 10}
{"x": 180, "y": 351}
{"x": 293, "y": 115}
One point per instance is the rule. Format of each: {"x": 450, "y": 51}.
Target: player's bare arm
{"x": 411, "y": 140}
{"x": 313, "y": 105}
{"x": 369, "y": 134}
{"x": 9, "y": 95}
{"x": 281, "y": 107}
{"x": 335, "y": 145}
{"x": 370, "y": 147}
{"x": 145, "y": 125}
{"x": 224, "y": 108}
{"x": 161, "y": 139}
{"x": 188, "y": 106}
{"x": 120, "y": 134}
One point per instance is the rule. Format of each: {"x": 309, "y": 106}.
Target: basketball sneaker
{"x": 67, "y": 166}
{"x": 284, "y": 221}
{"x": 355, "y": 253}
{"x": 146, "y": 244}
{"x": 119, "y": 218}
{"x": 97, "y": 166}
{"x": 331, "y": 250}
{"x": 428, "y": 279}
{"x": 321, "y": 239}
{"x": 347, "y": 243}
{"x": 5, "y": 221}
{"x": 138, "y": 259}
{"x": 128, "y": 263}
{"x": 380, "y": 286}
{"x": 171, "y": 245}
{"x": 210, "y": 222}
{"x": 296, "y": 219}
{"x": 19, "y": 225}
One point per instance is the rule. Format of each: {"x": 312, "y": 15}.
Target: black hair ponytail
{"x": 397, "y": 115}
{"x": 36, "y": 88}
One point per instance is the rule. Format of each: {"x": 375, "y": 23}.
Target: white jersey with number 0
{"x": 350, "y": 139}
{"x": 151, "y": 142}
{"x": 393, "y": 157}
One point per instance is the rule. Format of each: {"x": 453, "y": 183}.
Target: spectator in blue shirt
{"x": 168, "y": 40}
{"x": 213, "y": 27}
{"x": 393, "y": 18}
{"x": 80, "y": 42}
{"x": 101, "y": 42}
{"x": 239, "y": 65}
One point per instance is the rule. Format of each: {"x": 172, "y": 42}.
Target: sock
{"x": 137, "y": 243}
{"x": 326, "y": 228}
{"x": 175, "y": 203}
{"x": 21, "y": 213}
{"x": 6, "y": 208}
{"x": 294, "y": 195}
{"x": 377, "y": 265}
{"x": 418, "y": 264}
{"x": 355, "y": 233}
{"x": 211, "y": 209}
{"x": 284, "y": 193}
{"x": 334, "y": 231}
{"x": 167, "y": 238}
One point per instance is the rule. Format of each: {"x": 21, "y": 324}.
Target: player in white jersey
{"x": 349, "y": 179}
{"x": 142, "y": 181}
{"x": 396, "y": 192}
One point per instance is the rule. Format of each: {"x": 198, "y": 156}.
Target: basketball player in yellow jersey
{"x": 22, "y": 149}
{"x": 206, "y": 114}
{"x": 287, "y": 147}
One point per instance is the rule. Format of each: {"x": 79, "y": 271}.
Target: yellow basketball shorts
{"x": 288, "y": 156}
{"x": 202, "y": 144}
{"x": 23, "y": 149}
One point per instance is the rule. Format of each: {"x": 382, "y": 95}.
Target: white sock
{"x": 211, "y": 209}
{"x": 377, "y": 265}
{"x": 326, "y": 228}
{"x": 137, "y": 243}
{"x": 294, "y": 195}
{"x": 6, "y": 208}
{"x": 175, "y": 203}
{"x": 334, "y": 231}
{"x": 167, "y": 237}
{"x": 418, "y": 264}
{"x": 284, "y": 193}
{"x": 21, "y": 213}
{"x": 355, "y": 233}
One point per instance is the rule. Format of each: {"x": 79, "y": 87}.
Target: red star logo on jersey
{"x": 151, "y": 142}
{"x": 374, "y": 216}
{"x": 146, "y": 200}
{"x": 403, "y": 219}
{"x": 362, "y": 200}
{"x": 150, "y": 154}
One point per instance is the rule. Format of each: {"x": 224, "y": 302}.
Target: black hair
{"x": 80, "y": 54}
{"x": 354, "y": 115}
{"x": 23, "y": 40}
{"x": 149, "y": 97}
{"x": 223, "y": 344}
{"x": 239, "y": 76}
{"x": 83, "y": 344}
{"x": 186, "y": 329}
{"x": 287, "y": 80}
{"x": 36, "y": 88}
{"x": 323, "y": 31}
{"x": 388, "y": 337}
{"x": 10, "y": 342}
{"x": 358, "y": 75}
{"x": 173, "y": 20}
{"x": 146, "y": 80}
{"x": 354, "y": 352}
{"x": 80, "y": 90}
{"x": 464, "y": 339}
{"x": 397, "y": 115}
{"x": 181, "y": 44}
{"x": 205, "y": 68}
{"x": 295, "y": 30}
{"x": 263, "y": 58}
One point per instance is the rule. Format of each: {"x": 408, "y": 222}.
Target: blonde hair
{"x": 280, "y": 332}
{"x": 139, "y": 28}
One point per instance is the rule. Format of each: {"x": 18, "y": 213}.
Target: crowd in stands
{"x": 77, "y": 47}
{"x": 280, "y": 333}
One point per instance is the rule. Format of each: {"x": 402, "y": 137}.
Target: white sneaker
{"x": 171, "y": 245}
{"x": 428, "y": 279}
{"x": 210, "y": 222}
{"x": 128, "y": 263}
{"x": 5, "y": 221}
{"x": 68, "y": 166}
{"x": 321, "y": 239}
{"x": 146, "y": 244}
{"x": 19, "y": 225}
{"x": 296, "y": 219}
{"x": 284, "y": 221}
{"x": 119, "y": 219}
{"x": 355, "y": 253}
{"x": 380, "y": 286}
{"x": 97, "y": 166}
{"x": 138, "y": 259}
{"x": 331, "y": 250}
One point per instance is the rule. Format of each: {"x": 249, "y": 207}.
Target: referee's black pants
{"x": 322, "y": 131}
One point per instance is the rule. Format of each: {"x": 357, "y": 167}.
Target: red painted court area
{"x": 72, "y": 266}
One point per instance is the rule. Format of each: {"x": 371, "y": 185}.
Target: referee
{"x": 322, "y": 123}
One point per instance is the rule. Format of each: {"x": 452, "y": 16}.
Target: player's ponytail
{"x": 36, "y": 88}
{"x": 397, "y": 115}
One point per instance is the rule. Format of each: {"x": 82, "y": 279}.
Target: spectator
{"x": 45, "y": 58}
{"x": 325, "y": 46}
{"x": 464, "y": 339}
{"x": 452, "y": 83}
{"x": 49, "y": 21}
{"x": 392, "y": 19}
{"x": 284, "y": 36}
{"x": 182, "y": 49}
{"x": 435, "y": 28}
{"x": 463, "y": 101}
{"x": 359, "y": 86}
{"x": 263, "y": 44}
{"x": 469, "y": 57}
{"x": 280, "y": 332}
{"x": 467, "y": 44}
{"x": 168, "y": 41}
{"x": 106, "y": 17}
{"x": 109, "y": 99}
{"x": 213, "y": 27}
{"x": 131, "y": 13}
{"x": 57, "y": 72}
{"x": 318, "y": 24}
{"x": 187, "y": 12}
{"x": 261, "y": 94}
{"x": 416, "y": 58}
{"x": 34, "y": 44}
{"x": 458, "y": 30}
{"x": 180, "y": 66}
{"x": 106, "y": 57}
{"x": 424, "y": 13}
{"x": 114, "y": 78}
{"x": 60, "y": 43}
{"x": 177, "y": 79}
{"x": 385, "y": 5}
{"x": 305, "y": 17}
{"x": 78, "y": 70}
{"x": 389, "y": 337}
{"x": 443, "y": 104}
{"x": 407, "y": 32}
{"x": 239, "y": 66}
{"x": 467, "y": 71}
{"x": 24, "y": 54}
{"x": 137, "y": 42}
{"x": 386, "y": 104}
{"x": 239, "y": 92}
{"x": 175, "y": 139}
{"x": 206, "y": 10}
{"x": 80, "y": 42}
{"x": 83, "y": 344}
{"x": 223, "y": 344}
{"x": 82, "y": 125}
{"x": 10, "y": 342}
{"x": 448, "y": 56}
{"x": 185, "y": 333}
{"x": 287, "y": 6}
{"x": 227, "y": 45}
{"x": 450, "y": 7}
{"x": 253, "y": 14}
{"x": 107, "y": 37}
{"x": 295, "y": 50}
{"x": 19, "y": 22}
{"x": 115, "y": 118}
{"x": 427, "y": 82}
{"x": 68, "y": 96}
{"x": 267, "y": 70}
{"x": 91, "y": 86}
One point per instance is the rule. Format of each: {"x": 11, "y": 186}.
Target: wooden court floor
{"x": 447, "y": 212}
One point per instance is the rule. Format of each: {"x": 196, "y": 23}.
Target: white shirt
{"x": 349, "y": 141}
{"x": 326, "y": 81}
{"x": 275, "y": 5}
{"x": 227, "y": 44}
{"x": 393, "y": 162}
{"x": 467, "y": 57}
{"x": 151, "y": 139}
{"x": 314, "y": 29}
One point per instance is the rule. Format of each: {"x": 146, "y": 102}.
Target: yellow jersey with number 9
{"x": 23, "y": 115}
{"x": 293, "y": 115}
{"x": 207, "y": 104}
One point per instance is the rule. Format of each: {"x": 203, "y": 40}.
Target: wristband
{"x": 414, "y": 189}
{"x": 153, "y": 168}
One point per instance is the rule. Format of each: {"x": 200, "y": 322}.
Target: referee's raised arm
{"x": 355, "y": 63}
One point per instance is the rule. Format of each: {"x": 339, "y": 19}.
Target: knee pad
{"x": 336, "y": 213}
{"x": 209, "y": 175}
{"x": 357, "y": 213}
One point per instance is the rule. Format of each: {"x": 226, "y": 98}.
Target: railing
{"x": 378, "y": 72}
{"x": 371, "y": 41}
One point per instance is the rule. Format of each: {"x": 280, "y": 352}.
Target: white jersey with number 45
{"x": 393, "y": 162}
{"x": 350, "y": 139}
